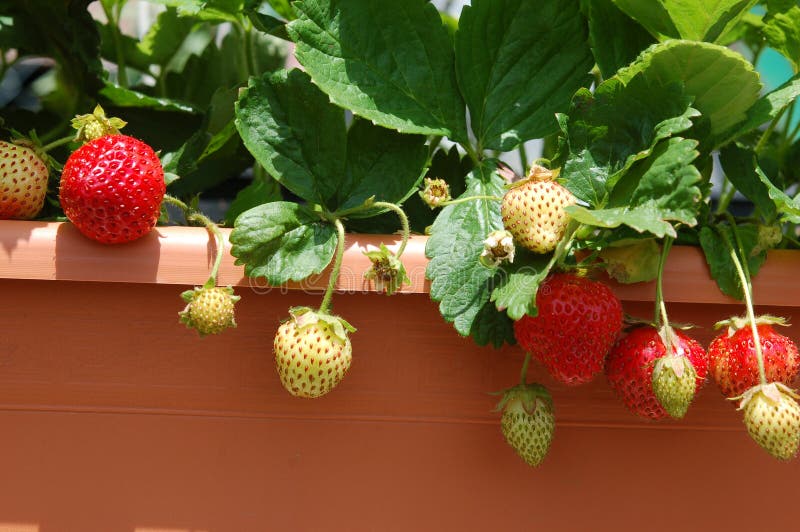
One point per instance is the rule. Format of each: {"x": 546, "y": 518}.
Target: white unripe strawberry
{"x": 312, "y": 352}
{"x": 772, "y": 418}
{"x": 533, "y": 211}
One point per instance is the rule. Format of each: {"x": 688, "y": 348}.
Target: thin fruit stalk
{"x": 771, "y": 411}
{"x": 312, "y": 348}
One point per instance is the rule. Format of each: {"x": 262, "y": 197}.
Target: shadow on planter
{"x": 75, "y": 254}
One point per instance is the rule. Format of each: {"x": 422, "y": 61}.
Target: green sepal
{"x": 528, "y": 393}
{"x": 305, "y": 316}
{"x": 387, "y": 271}
{"x": 95, "y": 125}
{"x": 735, "y": 323}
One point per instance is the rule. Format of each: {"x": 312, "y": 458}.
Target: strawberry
{"x": 772, "y": 418}
{"x": 312, "y": 352}
{"x": 209, "y": 310}
{"x": 528, "y": 422}
{"x": 112, "y": 188}
{"x": 732, "y": 356}
{"x": 23, "y": 182}
{"x": 533, "y": 211}
{"x": 674, "y": 383}
{"x": 578, "y": 320}
{"x": 629, "y": 367}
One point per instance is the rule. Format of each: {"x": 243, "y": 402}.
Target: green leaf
{"x": 256, "y": 193}
{"x": 787, "y": 206}
{"x": 739, "y": 167}
{"x": 294, "y": 132}
{"x": 459, "y": 283}
{"x": 518, "y": 64}
{"x": 381, "y": 163}
{"x": 606, "y": 132}
{"x": 782, "y": 32}
{"x": 632, "y": 262}
{"x": 390, "y": 61}
{"x": 122, "y": 97}
{"x": 697, "y": 20}
{"x": 765, "y": 109}
{"x": 616, "y": 39}
{"x": 652, "y": 15}
{"x": 282, "y": 242}
{"x": 518, "y": 284}
{"x": 209, "y": 10}
{"x": 719, "y": 260}
{"x": 492, "y": 326}
{"x": 657, "y": 192}
{"x": 724, "y": 84}
{"x": 165, "y": 37}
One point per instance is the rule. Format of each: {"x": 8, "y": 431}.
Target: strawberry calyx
{"x": 537, "y": 173}
{"x": 736, "y": 323}
{"x": 387, "y": 271}
{"x": 528, "y": 396}
{"x": 95, "y": 125}
{"x": 773, "y": 392}
{"x": 304, "y": 317}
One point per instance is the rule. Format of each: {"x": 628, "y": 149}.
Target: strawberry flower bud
{"x": 436, "y": 192}
{"x": 497, "y": 249}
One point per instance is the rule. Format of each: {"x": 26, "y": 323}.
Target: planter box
{"x": 117, "y": 418}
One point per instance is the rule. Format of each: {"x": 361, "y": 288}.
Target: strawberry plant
{"x": 651, "y": 122}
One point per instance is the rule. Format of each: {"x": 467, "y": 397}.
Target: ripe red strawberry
{"x": 533, "y": 211}
{"x": 528, "y": 422}
{"x": 629, "y": 368}
{"x": 732, "y": 356}
{"x": 112, "y": 188}
{"x": 577, "y": 323}
{"x": 772, "y": 418}
{"x": 312, "y": 352}
{"x": 23, "y": 182}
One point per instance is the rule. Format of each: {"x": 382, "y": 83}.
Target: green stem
{"x": 325, "y": 306}
{"x": 113, "y": 22}
{"x": 192, "y": 215}
{"x": 660, "y": 310}
{"x": 523, "y": 158}
{"x": 56, "y": 143}
{"x": 765, "y": 136}
{"x": 244, "y": 61}
{"x": 523, "y": 375}
{"x": 747, "y": 288}
{"x": 469, "y": 198}
{"x": 403, "y": 221}
{"x": 472, "y": 153}
{"x": 725, "y": 197}
{"x": 252, "y": 66}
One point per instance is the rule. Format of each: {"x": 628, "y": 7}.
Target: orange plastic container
{"x": 116, "y": 418}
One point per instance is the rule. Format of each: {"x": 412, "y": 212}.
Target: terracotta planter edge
{"x": 183, "y": 256}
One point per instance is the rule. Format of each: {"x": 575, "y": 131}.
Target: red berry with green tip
{"x": 111, "y": 189}
{"x": 629, "y": 368}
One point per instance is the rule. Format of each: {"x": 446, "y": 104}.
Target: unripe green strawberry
{"x": 533, "y": 211}
{"x": 312, "y": 352}
{"x": 674, "y": 382}
{"x": 23, "y": 182}
{"x": 209, "y": 310}
{"x": 528, "y": 421}
{"x": 772, "y": 418}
